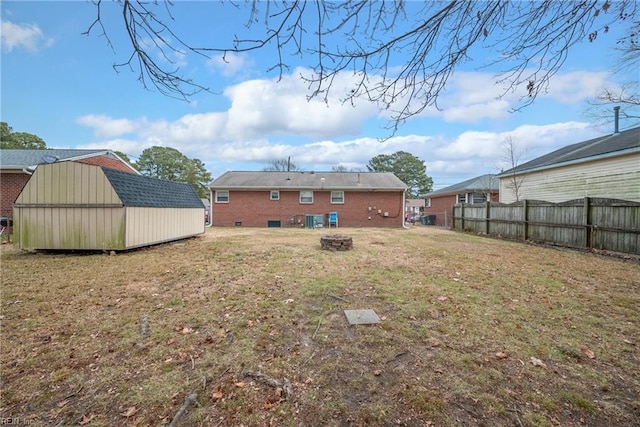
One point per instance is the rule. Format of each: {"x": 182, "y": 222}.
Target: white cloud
{"x": 105, "y": 126}
{"x": 262, "y": 107}
{"x": 230, "y": 64}
{"x": 26, "y": 36}
{"x": 268, "y": 120}
{"x": 575, "y": 87}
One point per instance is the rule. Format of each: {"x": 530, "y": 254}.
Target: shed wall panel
{"x": 69, "y": 228}
{"x": 147, "y": 226}
{"x": 68, "y": 183}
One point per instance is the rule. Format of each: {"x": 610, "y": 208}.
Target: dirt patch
{"x": 474, "y": 331}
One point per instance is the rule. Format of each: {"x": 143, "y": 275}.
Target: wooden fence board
{"x": 600, "y": 223}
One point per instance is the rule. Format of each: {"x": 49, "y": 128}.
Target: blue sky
{"x": 60, "y": 85}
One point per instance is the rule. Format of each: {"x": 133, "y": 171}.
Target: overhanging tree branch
{"x": 400, "y": 61}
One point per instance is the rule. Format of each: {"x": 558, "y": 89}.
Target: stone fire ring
{"x": 336, "y": 243}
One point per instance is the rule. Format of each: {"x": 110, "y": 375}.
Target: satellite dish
{"x": 49, "y": 158}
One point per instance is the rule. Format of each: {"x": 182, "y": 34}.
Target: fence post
{"x": 487, "y": 217}
{"x": 525, "y": 214}
{"x": 587, "y": 222}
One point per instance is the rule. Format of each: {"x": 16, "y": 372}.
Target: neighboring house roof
{"x": 482, "y": 183}
{"x": 144, "y": 191}
{"x": 17, "y": 159}
{"x": 414, "y": 203}
{"x": 267, "y": 180}
{"x": 616, "y": 144}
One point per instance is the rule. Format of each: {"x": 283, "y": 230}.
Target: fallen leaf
{"x": 63, "y": 403}
{"x": 501, "y": 355}
{"x": 537, "y": 362}
{"x": 587, "y": 352}
{"x": 187, "y": 330}
{"x": 241, "y": 384}
{"x": 442, "y": 298}
{"x": 628, "y": 342}
{"x": 130, "y": 412}
{"x": 217, "y": 394}
{"x": 377, "y": 372}
{"x": 86, "y": 419}
{"x": 171, "y": 341}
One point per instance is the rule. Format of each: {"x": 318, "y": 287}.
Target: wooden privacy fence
{"x": 599, "y": 223}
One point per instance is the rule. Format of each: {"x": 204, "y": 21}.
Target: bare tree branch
{"x": 401, "y": 61}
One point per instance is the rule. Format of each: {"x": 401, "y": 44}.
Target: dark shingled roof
{"x": 18, "y": 159}
{"x": 482, "y": 183}
{"x": 266, "y": 180}
{"x": 627, "y": 141}
{"x": 144, "y": 191}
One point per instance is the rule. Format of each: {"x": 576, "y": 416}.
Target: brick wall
{"x": 444, "y": 203}
{"x": 108, "y": 162}
{"x": 438, "y": 207}
{"x": 11, "y": 184}
{"x": 255, "y": 209}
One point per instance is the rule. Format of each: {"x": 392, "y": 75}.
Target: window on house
{"x": 337, "y": 197}
{"x": 427, "y": 203}
{"x": 306, "y": 197}
{"x": 462, "y": 198}
{"x": 222, "y": 196}
{"x": 478, "y": 198}
{"x": 275, "y": 195}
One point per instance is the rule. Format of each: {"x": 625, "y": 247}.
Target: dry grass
{"x": 463, "y": 316}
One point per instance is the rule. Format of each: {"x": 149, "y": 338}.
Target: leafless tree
{"x": 282, "y": 165}
{"x": 512, "y": 155}
{"x": 401, "y": 53}
{"x": 625, "y": 95}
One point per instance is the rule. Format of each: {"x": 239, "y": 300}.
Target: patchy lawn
{"x": 249, "y": 324}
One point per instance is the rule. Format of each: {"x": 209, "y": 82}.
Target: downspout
{"x": 210, "y": 223}
{"x": 404, "y": 209}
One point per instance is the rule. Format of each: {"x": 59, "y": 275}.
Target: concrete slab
{"x": 362, "y": 317}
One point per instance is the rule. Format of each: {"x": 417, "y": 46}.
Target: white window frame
{"x": 274, "y": 195}
{"x": 306, "y": 195}
{"x": 427, "y": 203}
{"x": 222, "y": 196}
{"x": 482, "y": 196}
{"x": 339, "y": 200}
{"x": 461, "y": 198}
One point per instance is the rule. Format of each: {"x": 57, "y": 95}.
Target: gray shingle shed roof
{"x": 624, "y": 142}
{"x": 267, "y": 180}
{"x": 144, "y": 191}
{"x": 482, "y": 183}
{"x": 19, "y": 158}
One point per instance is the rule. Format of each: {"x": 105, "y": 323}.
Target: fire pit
{"x": 336, "y": 243}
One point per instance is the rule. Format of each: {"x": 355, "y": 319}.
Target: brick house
{"x": 305, "y": 199}
{"x": 475, "y": 190}
{"x": 16, "y": 167}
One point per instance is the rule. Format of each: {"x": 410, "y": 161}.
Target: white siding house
{"x": 607, "y": 167}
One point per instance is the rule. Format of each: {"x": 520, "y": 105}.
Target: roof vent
{"x": 616, "y": 119}
{"x": 49, "y": 158}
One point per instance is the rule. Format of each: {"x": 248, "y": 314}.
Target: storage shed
{"x": 75, "y": 206}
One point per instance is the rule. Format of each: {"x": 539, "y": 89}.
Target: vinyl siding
{"x": 616, "y": 178}
{"x": 156, "y": 225}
